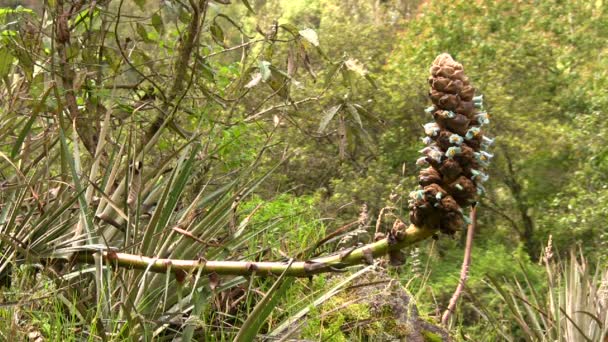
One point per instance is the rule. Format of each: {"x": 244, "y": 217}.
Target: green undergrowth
{"x": 295, "y": 220}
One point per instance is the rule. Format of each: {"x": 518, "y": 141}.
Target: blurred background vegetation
{"x": 268, "y": 129}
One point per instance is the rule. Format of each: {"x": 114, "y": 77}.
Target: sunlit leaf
{"x": 255, "y": 79}
{"x": 310, "y": 35}
{"x": 327, "y": 116}
{"x": 265, "y": 70}
{"x": 356, "y": 66}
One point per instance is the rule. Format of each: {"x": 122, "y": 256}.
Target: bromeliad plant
{"x": 452, "y": 181}
{"x": 114, "y": 163}
{"x": 573, "y": 305}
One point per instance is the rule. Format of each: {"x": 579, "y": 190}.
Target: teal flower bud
{"x": 483, "y": 160}
{"x": 452, "y": 151}
{"x": 485, "y": 156}
{"x": 417, "y": 195}
{"x": 456, "y": 139}
{"x": 483, "y": 118}
{"x": 429, "y": 110}
{"x": 486, "y": 142}
{"x": 480, "y": 176}
{"x": 438, "y": 196}
{"x": 472, "y": 133}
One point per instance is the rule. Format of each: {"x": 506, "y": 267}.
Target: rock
{"x": 377, "y": 308}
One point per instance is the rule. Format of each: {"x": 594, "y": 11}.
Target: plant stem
{"x": 331, "y": 263}
{"x": 464, "y": 271}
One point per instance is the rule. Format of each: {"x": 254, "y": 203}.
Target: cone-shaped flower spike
{"x": 454, "y": 161}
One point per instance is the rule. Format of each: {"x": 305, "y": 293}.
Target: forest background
{"x": 290, "y": 120}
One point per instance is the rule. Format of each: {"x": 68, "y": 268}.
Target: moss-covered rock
{"x": 377, "y": 308}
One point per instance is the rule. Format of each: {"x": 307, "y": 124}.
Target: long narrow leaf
{"x": 260, "y": 312}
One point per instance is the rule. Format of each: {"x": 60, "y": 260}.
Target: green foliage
{"x": 295, "y": 222}
{"x": 255, "y": 139}
{"x": 117, "y": 152}
{"x": 522, "y": 58}
{"x": 250, "y": 328}
{"x": 572, "y": 308}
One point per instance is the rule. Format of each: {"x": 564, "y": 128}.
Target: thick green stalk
{"x": 332, "y": 263}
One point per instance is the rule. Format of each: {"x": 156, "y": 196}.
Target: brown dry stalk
{"x": 464, "y": 271}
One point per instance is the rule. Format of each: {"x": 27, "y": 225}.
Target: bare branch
{"x": 464, "y": 271}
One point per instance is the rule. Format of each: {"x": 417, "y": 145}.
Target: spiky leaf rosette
{"x": 454, "y": 158}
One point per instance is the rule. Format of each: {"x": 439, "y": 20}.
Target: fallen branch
{"x": 332, "y": 263}
{"x": 464, "y": 271}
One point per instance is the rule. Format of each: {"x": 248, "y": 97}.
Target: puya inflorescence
{"x": 455, "y": 157}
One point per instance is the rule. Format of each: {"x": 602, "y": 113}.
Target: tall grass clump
{"x": 572, "y": 305}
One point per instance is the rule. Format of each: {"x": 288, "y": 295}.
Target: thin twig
{"x": 464, "y": 271}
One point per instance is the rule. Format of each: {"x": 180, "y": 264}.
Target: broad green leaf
{"x": 347, "y": 78}
{"x": 157, "y": 23}
{"x": 84, "y": 15}
{"x": 217, "y": 33}
{"x": 142, "y": 32}
{"x": 206, "y": 71}
{"x": 327, "y": 116}
{"x": 4, "y": 11}
{"x": 279, "y": 82}
{"x": 141, "y": 4}
{"x": 184, "y": 16}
